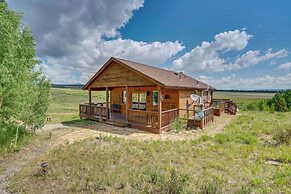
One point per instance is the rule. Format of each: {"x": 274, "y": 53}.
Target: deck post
{"x": 107, "y": 103}
{"x": 160, "y": 108}
{"x": 126, "y": 104}
{"x": 90, "y": 102}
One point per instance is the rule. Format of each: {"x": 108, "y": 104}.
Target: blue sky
{"x": 246, "y": 43}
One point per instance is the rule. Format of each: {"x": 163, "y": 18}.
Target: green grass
{"x": 64, "y": 104}
{"x": 231, "y": 162}
{"x": 244, "y": 98}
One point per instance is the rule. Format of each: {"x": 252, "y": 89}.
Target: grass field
{"x": 243, "y": 98}
{"x": 64, "y": 104}
{"x": 245, "y": 158}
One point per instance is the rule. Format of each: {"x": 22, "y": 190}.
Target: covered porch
{"x": 142, "y": 107}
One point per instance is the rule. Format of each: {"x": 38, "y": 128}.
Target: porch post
{"x": 90, "y": 102}
{"x": 160, "y": 107}
{"x": 126, "y": 104}
{"x": 107, "y": 104}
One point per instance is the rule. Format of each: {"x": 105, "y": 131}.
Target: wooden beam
{"x": 107, "y": 103}
{"x": 126, "y": 104}
{"x": 160, "y": 108}
{"x": 90, "y": 102}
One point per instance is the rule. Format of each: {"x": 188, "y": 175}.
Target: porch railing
{"x": 168, "y": 116}
{"x": 146, "y": 118}
{"x": 96, "y": 110}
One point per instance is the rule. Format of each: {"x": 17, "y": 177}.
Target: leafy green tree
{"x": 24, "y": 91}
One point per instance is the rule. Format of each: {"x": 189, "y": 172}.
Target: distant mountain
{"x": 74, "y": 86}
{"x": 256, "y": 91}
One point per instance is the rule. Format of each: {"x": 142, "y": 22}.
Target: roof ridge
{"x": 162, "y": 69}
{"x": 146, "y": 65}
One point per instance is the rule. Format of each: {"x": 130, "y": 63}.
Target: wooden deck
{"x": 144, "y": 120}
{"x": 197, "y": 116}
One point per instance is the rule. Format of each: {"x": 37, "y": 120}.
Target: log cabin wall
{"x": 171, "y": 97}
{"x": 184, "y": 95}
{"x": 117, "y": 75}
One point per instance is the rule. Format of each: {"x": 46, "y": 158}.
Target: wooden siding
{"x": 171, "y": 99}
{"x": 118, "y": 75}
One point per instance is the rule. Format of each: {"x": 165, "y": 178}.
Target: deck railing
{"x": 168, "y": 116}
{"x": 145, "y": 118}
{"x": 208, "y": 115}
{"x": 229, "y": 106}
{"x": 219, "y": 107}
{"x": 96, "y": 110}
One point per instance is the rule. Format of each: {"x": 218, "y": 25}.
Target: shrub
{"x": 221, "y": 138}
{"x": 283, "y": 135}
{"x": 11, "y": 137}
{"x": 179, "y": 124}
{"x": 252, "y": 106}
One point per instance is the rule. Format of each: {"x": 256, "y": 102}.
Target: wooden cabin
{"x": 143, "y": 96}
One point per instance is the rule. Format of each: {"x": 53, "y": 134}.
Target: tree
{"x": 24, "y": 90}
{"x": 280, "y": 103}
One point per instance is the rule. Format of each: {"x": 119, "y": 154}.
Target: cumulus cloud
{"x": 75, "y": 37}
{"x": 285, "y": 66}
{"x": 254, "y": 57}
{"x": 262, "y": 82}
{"x": 208, "y": 56}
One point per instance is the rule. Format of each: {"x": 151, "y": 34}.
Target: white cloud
{"x": 285, "y": 66}
{"x": 81, "y": 66}
{"x": 207, "y": 57}
{"x": 263, "y": 82}
{"x": 254, "y": 57}
{"x": 76, "y": 37}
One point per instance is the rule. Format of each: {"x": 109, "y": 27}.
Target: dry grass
{"x": 232, "y": 162}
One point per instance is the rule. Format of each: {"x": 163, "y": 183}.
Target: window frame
{"x": 155, "y": 103}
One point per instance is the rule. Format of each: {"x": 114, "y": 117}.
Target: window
{"x": 142, "y": 101}
{"x": 139, "y": 101}
{"x": 205, "y": 93}
{"x": 134, "y": 100}
{"x": 123, "y": 97}
{"x": 155, "y": 98}
{"x": 142, "y": 97}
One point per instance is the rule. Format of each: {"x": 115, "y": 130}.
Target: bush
{"x": 281, "y": 102}
{"x": 283, "y": 135}
{"x": 179, "y": 124}
{"x": 12, "y": 137}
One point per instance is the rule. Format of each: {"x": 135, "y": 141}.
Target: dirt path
{"x": 54, "y": 135}
{"x": 44, "y": 142}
